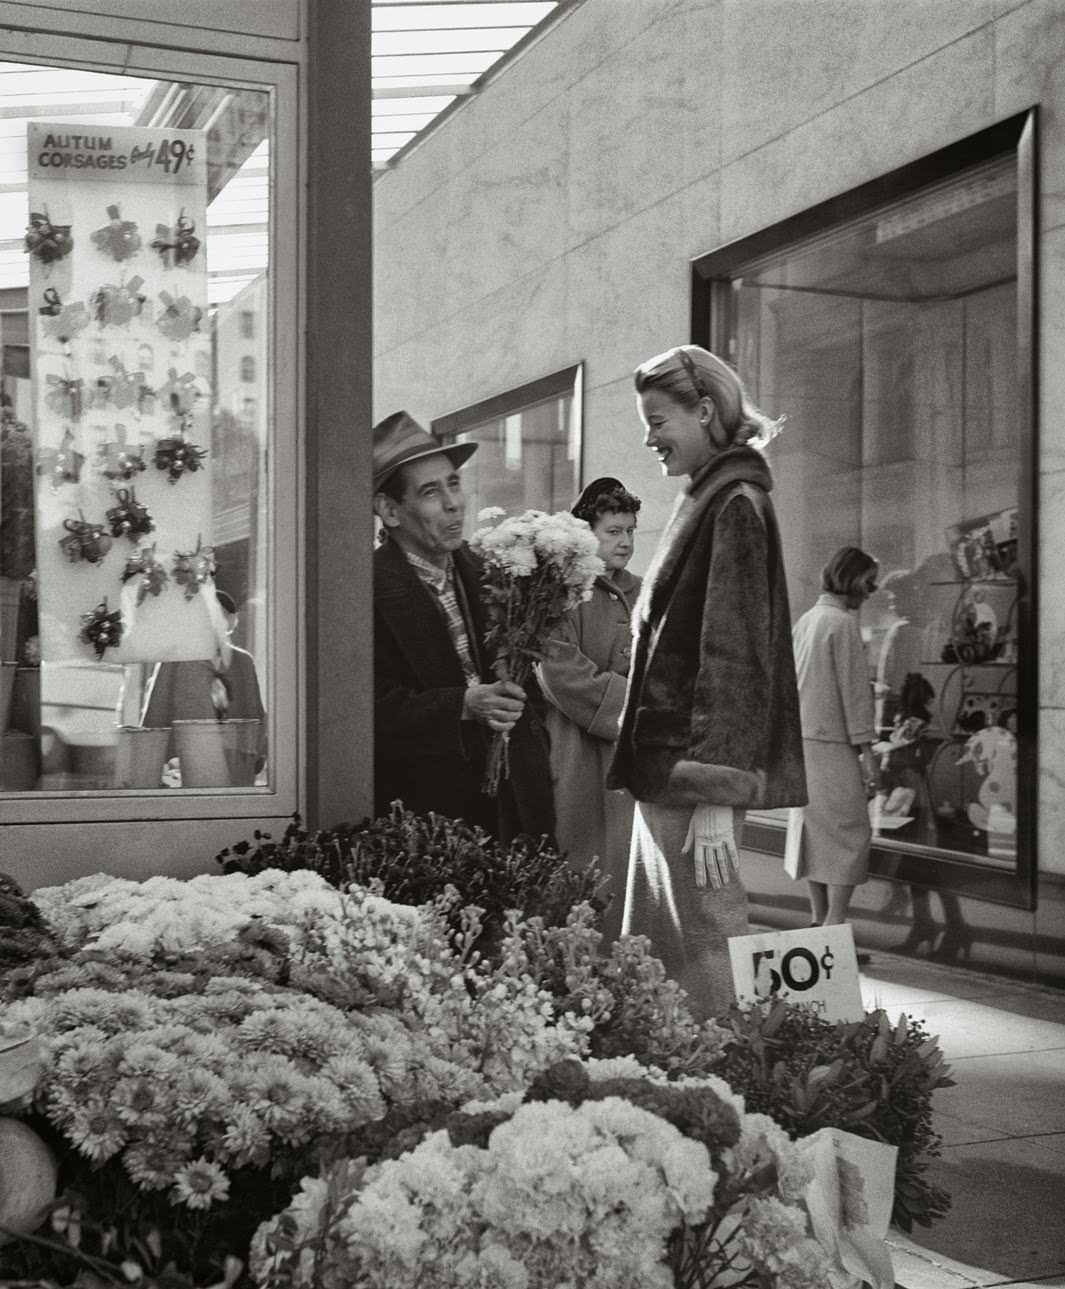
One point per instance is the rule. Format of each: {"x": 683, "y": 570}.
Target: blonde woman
{"x": 711, "y": 720}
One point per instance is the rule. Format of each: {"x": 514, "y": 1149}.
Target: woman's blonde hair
{"x": 687, "y": 374}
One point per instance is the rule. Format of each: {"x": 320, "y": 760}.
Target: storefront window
{"x": 890, "y": 342}
{"x": 134, "y": 567}
{"x": 530, "y": 440}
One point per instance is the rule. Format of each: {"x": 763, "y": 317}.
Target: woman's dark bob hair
{"x": 847, "y": 572}
{"x": 605, "y": 496}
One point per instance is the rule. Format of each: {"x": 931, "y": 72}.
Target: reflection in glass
{"x": 97, "y": 724}
{"x": 890, "y": 342}
{"x": 528, "y": 458}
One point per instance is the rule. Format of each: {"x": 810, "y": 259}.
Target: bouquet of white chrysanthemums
{"x": 605, "y": 1176}
{"x": 536, "y": 568}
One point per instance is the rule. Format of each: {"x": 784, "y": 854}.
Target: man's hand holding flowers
{"x": 499, "y": 705}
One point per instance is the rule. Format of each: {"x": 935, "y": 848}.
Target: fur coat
{"x": 425, "y": 754}
{"x": 712, "y": 709}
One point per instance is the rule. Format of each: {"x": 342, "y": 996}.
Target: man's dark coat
{"x": 712, "y": 709}
{"x": 425, "y": 754}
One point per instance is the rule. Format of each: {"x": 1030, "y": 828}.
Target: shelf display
{"x": 951, "y": 745}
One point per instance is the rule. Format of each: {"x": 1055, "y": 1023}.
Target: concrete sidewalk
{"x": 1003, "y": 1126}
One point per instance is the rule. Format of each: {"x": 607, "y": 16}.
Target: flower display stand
{"x": 217, "y": 754}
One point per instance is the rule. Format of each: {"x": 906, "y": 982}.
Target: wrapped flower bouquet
{"x": 536, "y": 568}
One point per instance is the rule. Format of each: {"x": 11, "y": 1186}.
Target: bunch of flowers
{"x": 536, "y": 567}
{"x": 602, "y": 1176}
{"x": 162, "y": 918}
{"x": 415, "y": 858}
{"x": 480, "y": 1026}
{"x": 206, "y": 1042}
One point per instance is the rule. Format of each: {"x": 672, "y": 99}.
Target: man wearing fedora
{"x": 434, "y": 711}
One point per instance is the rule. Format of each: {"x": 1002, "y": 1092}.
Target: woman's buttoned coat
{"x": 583, "y": 676}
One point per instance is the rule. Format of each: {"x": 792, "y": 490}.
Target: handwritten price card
{"x": 814, "y": 966}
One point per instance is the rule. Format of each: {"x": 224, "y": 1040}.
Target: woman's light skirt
{"x": 689, "y": 926}
{"x": 835, "y": 824}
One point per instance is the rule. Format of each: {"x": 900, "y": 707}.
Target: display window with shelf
{"x": 141, "y": 228}
{"x": 892, "y": 327}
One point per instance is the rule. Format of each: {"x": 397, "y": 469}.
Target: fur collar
{"x": 734, "y": 466}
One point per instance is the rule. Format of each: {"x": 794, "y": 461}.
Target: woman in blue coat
{"x": 583, "y": 676}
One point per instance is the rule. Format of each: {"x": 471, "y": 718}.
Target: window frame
{"x": 568, "y": 380}
{"x": 283, "y": 698}
{"x": 711, "y": 291}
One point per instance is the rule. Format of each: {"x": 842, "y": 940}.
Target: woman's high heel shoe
{"x": 956, "y": 945}
{"x": 919, "y": 934}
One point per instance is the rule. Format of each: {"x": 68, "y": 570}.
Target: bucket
{"x": 92, "y": 757}
{"x": 217, "y": 754}
{"x": 7, "y": 689}
{"x": 26, "y": 701}
{"x": 18, "y": 761}
{"x": 140, "y": 755}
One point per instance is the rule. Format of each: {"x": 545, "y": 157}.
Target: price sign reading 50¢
{"x": 815, "y": 966}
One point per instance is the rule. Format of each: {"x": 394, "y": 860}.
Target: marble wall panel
{"x": 629, "y": 297}
{"x": 1051, "y": 347}
{"x": 892, "y": 123}
{"x": 785, "y": 67}
{"x": 1029, "y": 69}
{"x": 412, "y": 289}
{"x": 500, "y": 341}
{"x": 637, "y": 152}
{"x": 1051, "y": 830}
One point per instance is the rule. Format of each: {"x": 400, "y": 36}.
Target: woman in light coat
{"x": 838, "y": 714}
{"x": 583, "y": 676}
{"x": 711, "y": 721}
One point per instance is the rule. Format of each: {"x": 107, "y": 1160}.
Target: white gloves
{"x": 711, "y": 834}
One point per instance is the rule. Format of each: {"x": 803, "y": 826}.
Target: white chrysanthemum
{"x": 505, "y": 1104}
{"x": 144, "y": 1057}
{"x": 198, "y": 1094}
{"x": 615, "y": 1067}
{"x": 519, "y": 561}
{"x": 763, "y": 1142}
{"x": 358, "y": 1086}
{"x": 768, "y": 1231}
{"x": 246, "y": 1136}
{"x": 96, "y": 1130}
{"x": 147, "y": 1166}
{"x": 498, "y": 1268}
{"x": 200, "y": 1184}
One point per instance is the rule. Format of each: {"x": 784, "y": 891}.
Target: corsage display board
{"x": 121, "y": 367}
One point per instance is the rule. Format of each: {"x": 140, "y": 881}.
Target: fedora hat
{"x": 399, "y": 439}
